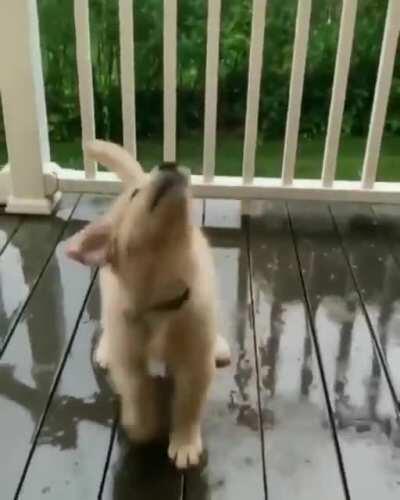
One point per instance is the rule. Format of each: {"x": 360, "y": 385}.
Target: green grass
{"x": 268, "y": 159}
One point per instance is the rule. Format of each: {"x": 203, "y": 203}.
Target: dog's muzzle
{"x": 169, "y": 178}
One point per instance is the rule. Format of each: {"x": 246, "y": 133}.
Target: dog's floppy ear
{"x": 91, "y": 246}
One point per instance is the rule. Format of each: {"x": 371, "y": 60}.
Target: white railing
{"x": 31, "y": 183}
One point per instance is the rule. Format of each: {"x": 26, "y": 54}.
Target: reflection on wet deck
{"x": 308, "y": 409}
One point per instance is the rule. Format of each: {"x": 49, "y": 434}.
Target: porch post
{"x": 24, "y": 109}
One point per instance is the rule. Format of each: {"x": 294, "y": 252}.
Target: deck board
{"x": 23, "y": 261}
{"x": 377, "y": 274}
{"x": 388, "y": 218}
{"x": 37, "y": 348}
{"x": 59, "y": 436}
{"x": 8, "y": 226}
{"x": 234, "y": 468}
{"x": 141, "y": 472}
{"x": 71, "y": 449}
{"x": 365, "y": 415}
{"x": 301, "y": 459}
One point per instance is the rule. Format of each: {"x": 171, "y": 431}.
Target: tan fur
{"x": 148, "y": 257}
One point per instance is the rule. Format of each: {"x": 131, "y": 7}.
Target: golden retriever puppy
{"x": 158, "y": 300}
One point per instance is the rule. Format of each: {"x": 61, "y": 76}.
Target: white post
{"x": 296, "y": 90}
{"x": 24, "y": 108}
{"x": 381, "y": 96}
{"x": 85, "y": 79}
{"x": 211, "y": 97}
{"x": 342, "y": 66}
{"x": 170, "y": 38}
{"x": 253, "y": 89}
{"x": 127, "y": 55}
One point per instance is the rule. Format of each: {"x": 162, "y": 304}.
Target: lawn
{"x": 268, "y": 159}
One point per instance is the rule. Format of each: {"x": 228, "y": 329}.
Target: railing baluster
{"x": 170, "y": 39}
{"x": 127, "y": 55}
{"x": 343, "y": 57}
{"x": 296, "y": 90}
{"x": 253, "y": 88}
{"x": 211, "y": 96}
{"x": 85, "y": 77}
{"x": 382, "y": 92}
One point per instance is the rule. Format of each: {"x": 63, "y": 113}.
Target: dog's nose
{"x": 168, "y": 165}
{"x": 171, "y": 177}
{"x": 168, "y": 178}
{"x": 172, "y": 166}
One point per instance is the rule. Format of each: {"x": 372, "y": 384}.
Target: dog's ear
{"x": 91, "y": 246}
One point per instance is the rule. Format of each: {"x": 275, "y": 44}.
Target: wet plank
{"x": 72, "y": 446}
{"x": 301, "y": 458}
{"x": 223, "y": 213}
{"x": 231, "y": 423}
{"x": 34, "y": 357}
{"x": 365, "y": 416}
{"x": 8, "y": 225}
{"x": 377, "y": 274}
{"x": 24, "y": 259}
{"x": 197, "y": 211}
{"x": 388, "y": 217}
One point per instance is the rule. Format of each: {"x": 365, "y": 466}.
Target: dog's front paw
{"x": 185, "y": 451}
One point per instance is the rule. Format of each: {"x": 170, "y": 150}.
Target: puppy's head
{"x": 148, "y": 223}
{"x": 150, "y": 218}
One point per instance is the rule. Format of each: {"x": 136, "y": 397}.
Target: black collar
{"x": 169, "y": 305}
{"x": 173, "y": 304}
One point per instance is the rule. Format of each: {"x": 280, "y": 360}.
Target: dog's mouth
{"x": 169, "y": 180}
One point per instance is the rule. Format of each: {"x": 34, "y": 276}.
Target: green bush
{"x": 57, "y": 32}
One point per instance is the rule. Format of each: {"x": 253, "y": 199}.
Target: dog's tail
{"x": 115, "y": 158}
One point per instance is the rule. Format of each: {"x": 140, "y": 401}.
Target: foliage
{"x": 58, "y": 43}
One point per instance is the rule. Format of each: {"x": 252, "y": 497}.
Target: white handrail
{"x": 230, "y": 187}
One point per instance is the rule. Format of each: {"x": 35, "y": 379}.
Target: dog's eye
{"x": 134, "y": 193}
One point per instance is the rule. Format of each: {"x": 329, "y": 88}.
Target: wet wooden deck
{"x": 308, "y": 410}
